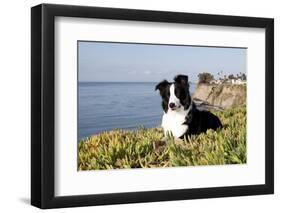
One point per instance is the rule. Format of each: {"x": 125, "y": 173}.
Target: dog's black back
{"x": 199, "y": 121}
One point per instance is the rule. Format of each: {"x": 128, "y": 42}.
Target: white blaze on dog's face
{"x": 174, "y": 101}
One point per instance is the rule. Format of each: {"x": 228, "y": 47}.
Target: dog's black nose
{"x": 172, "y": 105}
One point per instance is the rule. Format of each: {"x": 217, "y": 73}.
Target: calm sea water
{"x": 106, "y": 106}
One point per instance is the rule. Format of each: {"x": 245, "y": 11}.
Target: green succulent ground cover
{"x": 147, "y": 148}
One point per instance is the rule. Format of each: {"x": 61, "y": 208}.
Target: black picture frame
{"x": 43, "y": 102}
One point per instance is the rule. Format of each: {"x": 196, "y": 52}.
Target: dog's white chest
{"x": 172, "y": 122}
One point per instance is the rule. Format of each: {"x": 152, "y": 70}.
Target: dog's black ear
{"x": 162, "y": 85}
{"x": 181, "y": 79}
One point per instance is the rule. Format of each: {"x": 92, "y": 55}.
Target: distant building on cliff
{"x": 231, "y": 79}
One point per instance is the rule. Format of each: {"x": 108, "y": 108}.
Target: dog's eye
{"x": 177, "y": 92}
{"x": 165, "y": 93}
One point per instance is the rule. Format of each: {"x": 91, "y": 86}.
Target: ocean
{"x": 106, "y": 106}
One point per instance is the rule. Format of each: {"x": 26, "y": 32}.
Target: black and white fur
{"x": 181, "y": 117}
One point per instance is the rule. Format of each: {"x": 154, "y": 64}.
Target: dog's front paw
{"x": 178, "y": 141}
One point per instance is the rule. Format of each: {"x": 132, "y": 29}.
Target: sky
{"x": 131, "y": 62}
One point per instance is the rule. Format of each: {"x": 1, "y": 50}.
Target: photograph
{"x": 143, "y": 105}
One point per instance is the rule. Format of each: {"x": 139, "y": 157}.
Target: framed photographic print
{"x": 139, "y": 106}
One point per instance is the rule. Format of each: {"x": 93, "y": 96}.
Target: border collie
{"x": 181, "y": 117}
